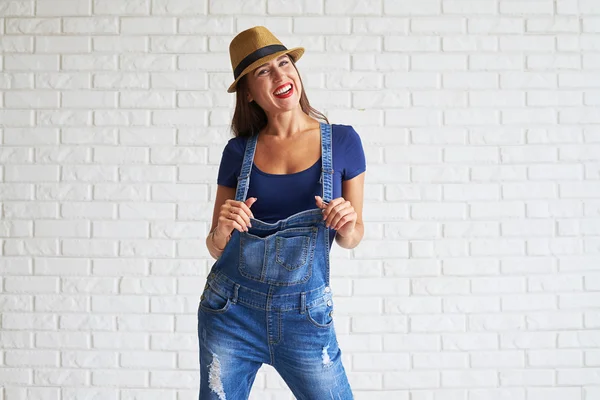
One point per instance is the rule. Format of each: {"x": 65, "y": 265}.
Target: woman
{"x": 267, "y": 298}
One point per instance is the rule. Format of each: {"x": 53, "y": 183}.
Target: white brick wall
{"x": 479, "y": 274}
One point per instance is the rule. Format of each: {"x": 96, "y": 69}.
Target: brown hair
{"x": 249, "y": 118}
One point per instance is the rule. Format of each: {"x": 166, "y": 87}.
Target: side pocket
{"x": 213, "y": 302}
{"x": 321, "y": 315}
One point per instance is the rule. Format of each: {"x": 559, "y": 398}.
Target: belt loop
{"x": 235, "y": 293}
{"x": 302, "y": 302}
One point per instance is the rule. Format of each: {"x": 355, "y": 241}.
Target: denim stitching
{"x": 302, "y": 259}
{"x": 278, "y": 298}
{"x": 277, "y": 315}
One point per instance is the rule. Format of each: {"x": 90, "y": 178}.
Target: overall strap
{"x": 326, "y": 162}
{"x": 244, "y": 178}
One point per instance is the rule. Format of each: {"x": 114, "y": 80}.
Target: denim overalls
{"x": 267, "y": 300}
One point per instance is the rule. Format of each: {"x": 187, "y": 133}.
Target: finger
{"x": 346, "y": 219}
{"x": 335, "y": 209}
{"x": 320, "y": 202}
{"x": 229, "y": 224}
{"x": 229, "y": 217}
{"x": 340, "y": 213}
{"x": 238, "y": 227}
{"x": 332, "y": 204}
{"x": 239, "y": 212}
{"x": 238, "y": 215}
{"x": 250, "y": 201}
{"x": 246, "y": 209}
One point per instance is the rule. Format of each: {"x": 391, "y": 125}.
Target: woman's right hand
{"x": 235, "y": 215}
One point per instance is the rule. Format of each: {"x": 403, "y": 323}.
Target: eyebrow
{"x": 278, "y": 58}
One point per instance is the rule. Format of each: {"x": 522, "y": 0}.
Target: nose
{"x": 278, "y": 74}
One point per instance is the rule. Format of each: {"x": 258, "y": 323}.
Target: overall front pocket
{"x": 213, "y": 302}
{"x": 291, "y": 252}
{"x": 283, "y": 259}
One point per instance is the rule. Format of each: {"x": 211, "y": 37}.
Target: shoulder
{"x": 235, "y": 146}
{"x": 348, "y": 152}
{"x": 231, "y": 160}
{"x": 344, "y": 135}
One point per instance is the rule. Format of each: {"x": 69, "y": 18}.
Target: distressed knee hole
{"x": 214, "y": 377}
{"x": 325, "y": 354}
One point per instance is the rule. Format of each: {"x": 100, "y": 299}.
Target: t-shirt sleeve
{"x": 231, "y": 163}
{"x": 354, "y": 155}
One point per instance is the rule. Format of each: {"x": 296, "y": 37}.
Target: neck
{"x": 287, "y": 124}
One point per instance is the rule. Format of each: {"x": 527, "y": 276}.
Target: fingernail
{"x": 249, "y": 225}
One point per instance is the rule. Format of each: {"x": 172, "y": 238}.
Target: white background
{"x": 478, "y": 277}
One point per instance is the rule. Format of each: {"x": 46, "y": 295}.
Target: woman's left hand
{"x": 339, "y": 214}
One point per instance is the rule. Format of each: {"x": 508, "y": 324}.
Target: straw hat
{"x": 254, "y": 47}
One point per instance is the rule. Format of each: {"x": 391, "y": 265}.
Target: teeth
{"x": 284, "y": 89}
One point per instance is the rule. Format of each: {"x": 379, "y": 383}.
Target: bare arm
{"x": 217, "y": 243}
{"x": 353, "y": 191}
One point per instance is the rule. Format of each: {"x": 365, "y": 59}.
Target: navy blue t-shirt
{"x": 281, "y": 195}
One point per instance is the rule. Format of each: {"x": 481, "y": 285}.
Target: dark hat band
{"x": 256, "y": 55}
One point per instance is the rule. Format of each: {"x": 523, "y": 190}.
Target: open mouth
{"x": 284, "y": 91}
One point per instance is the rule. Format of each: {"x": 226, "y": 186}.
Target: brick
{"x": 499, "y": 24}
{"x": 16, "y": 45}
{"x": 468, "y": 7}
{"x": 121, "y": 378}
{"x": 16, "y": 376}
{"x": 64, "y": 8}
{"x": 31, "y": 62}
{"x": 470, "y": 379}
{"x": 411, "y": 380}
{"x": 178, "y": 44}
{"x": 287, "y": 7}
{"x": 323, "y": 25}
{"x": 27, "y": 99}
{"x": 37, "y": 358}
{"x": 32, "y": 25}
{"x": 406, "y": 7}
{"x": 470, "y": 43}
{"x": 525, "y": 8}
{"x": 58, "y": 80}
{"x": 16, "y": 8}
{"x": 53, "y": 44}
{"x": 244, "y": 7}
{"x": 178, "y": 7}
{"x": 556, "y": 24}
{"x": 148, "y": 25}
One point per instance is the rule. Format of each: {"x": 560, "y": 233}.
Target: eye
{"x": 284, "y": 62}
{"x": 261, "y": 71}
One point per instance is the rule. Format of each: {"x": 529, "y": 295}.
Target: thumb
{"x": 320, "y": 203}
{"x": 250, "y": 201}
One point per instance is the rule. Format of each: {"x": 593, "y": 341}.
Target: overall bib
{"x": 267, "y": 300}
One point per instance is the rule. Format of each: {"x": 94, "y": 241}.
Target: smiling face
{"x": 275, "y": 86}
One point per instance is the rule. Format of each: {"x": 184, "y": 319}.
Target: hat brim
{"x": 295, "y": 53}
